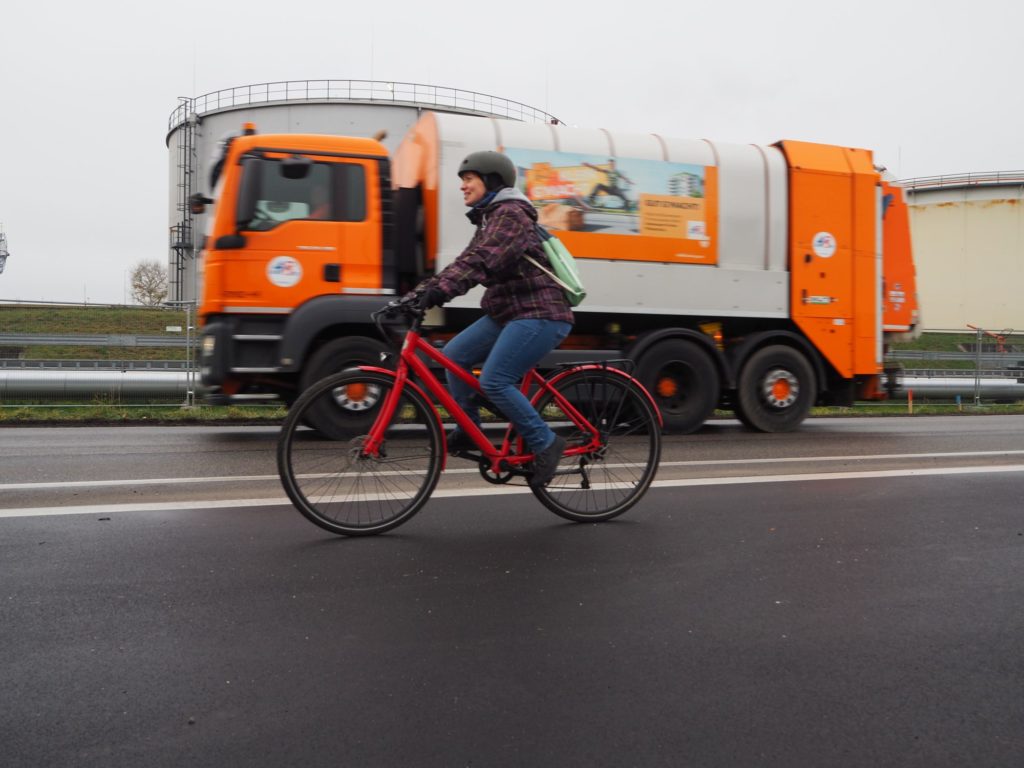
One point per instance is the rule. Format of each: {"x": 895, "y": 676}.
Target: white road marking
{"x": 473, "y": 471}
{"x": 102, "y": 509}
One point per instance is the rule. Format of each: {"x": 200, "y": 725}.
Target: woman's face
{"x": 473, "y": 189}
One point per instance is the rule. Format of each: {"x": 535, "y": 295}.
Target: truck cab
{"x": 300, "y": 238}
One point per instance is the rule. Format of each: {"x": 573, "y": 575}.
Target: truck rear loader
{"x": 763, "y": 279}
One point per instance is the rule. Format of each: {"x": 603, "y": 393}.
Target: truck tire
{"x": 343, "y": 418}
{"x": 684, "y": 382}
{"x": 776, "y": 390}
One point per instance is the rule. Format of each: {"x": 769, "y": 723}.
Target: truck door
{"x": 308, "y": 229}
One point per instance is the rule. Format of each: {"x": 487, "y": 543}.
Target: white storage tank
{"x": 339, "y": 107}
{"x": 968, "y": 235}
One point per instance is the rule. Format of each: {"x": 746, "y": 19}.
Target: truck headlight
{"x": 209, "y": 343}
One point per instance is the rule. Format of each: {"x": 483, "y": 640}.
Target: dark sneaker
{"x": 459, "y": 442}
{"x": 546, "y": 463}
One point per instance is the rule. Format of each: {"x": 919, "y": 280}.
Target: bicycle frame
{"x": 501, "y": 459}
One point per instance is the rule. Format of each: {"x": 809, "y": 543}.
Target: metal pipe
{"x": 77, "y": 384}
{"x": 174, "y": 386}
{"x": 1001, "y": 388}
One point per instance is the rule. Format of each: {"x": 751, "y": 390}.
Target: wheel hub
{"x": 357, "y": 397}
{"x": 780, "y": 388}
{"x": 667, "y": 386}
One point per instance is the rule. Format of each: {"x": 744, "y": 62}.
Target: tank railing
{"x": 964, "y": 180}
{"x": 357, "y": 91}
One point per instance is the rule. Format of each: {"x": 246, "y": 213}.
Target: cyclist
{"x": 526, "y": 314}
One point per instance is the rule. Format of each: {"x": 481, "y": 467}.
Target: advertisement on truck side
{"x": 597, "y": 200}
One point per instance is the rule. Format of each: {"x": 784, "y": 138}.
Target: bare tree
{"x": 149, "y": 282}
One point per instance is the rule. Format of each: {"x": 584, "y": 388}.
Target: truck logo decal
{"x": 284, "y": 271}
{"x": 824, "y": 244}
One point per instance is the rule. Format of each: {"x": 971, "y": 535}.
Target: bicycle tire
{"x": 605, "y": 483}
{"x": 334, "y": 485}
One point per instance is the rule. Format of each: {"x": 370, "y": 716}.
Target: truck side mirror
{"x": 197, "y": 203}
{"x": 295, "y": 167}
{"x": 249, "y": 191}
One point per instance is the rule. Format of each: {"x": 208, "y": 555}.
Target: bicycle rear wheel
{"x": 340, "y": 488}
{"x": 606, "y": 482}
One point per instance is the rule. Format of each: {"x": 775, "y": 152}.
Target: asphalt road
{"x": 848, "y": 595}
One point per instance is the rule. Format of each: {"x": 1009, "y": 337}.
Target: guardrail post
{"x": 977, "y": 369}
{"x": 190, "y": 360}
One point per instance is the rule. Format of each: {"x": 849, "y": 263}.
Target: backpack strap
{"x": 552, "y": 275}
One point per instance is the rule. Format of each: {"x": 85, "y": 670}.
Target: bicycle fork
{"x": 373, "y": 446}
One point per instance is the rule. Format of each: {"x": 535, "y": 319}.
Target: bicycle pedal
{"x": 465, "y": 453}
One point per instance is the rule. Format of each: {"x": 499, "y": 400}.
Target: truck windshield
{"x": 329, "y": 192}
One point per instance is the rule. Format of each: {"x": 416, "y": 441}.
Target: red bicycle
{"x": 387, "y": 471}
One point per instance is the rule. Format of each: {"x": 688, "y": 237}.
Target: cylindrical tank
{"x": 337, "y": 107}
{"x": 618, "y": 199}
{"x": 968, "y": 235}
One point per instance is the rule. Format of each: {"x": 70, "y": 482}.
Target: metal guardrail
{"x": 963, "y": 373}
{"x": 92, "y": 365}
{"x": 31, "y": 374}
{"x": 990, "y": 178}
{"x": 1006, "y": 358}
{"x": 984, "y": 361}
{"x": 91, "y": 340}
{"x": 390, "y": 92}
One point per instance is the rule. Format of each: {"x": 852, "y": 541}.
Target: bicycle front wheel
{"x": 338, "y": 486}
{"x": 605, "y": 482}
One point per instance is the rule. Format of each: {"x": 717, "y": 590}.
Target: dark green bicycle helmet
{"x": 493, "y": 167}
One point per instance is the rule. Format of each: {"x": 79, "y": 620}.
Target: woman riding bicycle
{"x": 526, "y": 313}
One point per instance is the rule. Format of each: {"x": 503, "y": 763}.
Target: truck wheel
{"x": 344, "y": 416}
{"x": 683, "y": 380}
{"x": 776, "y": 390}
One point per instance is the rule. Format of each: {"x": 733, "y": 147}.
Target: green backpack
{"x": 563, "y": 264}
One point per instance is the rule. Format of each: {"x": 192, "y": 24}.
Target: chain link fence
{"x": 97, "y": 354}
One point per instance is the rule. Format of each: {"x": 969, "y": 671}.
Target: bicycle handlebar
{"x": 405, "y": 307}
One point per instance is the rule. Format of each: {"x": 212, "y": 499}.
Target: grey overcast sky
{"x": 86, "y": 88}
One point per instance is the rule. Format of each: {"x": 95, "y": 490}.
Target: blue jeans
{"x": 508, "y": 353}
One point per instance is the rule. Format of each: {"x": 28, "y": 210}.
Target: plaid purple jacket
{"x": 516, "y": 289}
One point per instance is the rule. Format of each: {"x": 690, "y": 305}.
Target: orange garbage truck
{"x": 761, "y": 279}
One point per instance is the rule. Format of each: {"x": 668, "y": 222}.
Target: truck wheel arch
{"x": 322, "y": 319}
{"x": 336, "y": 421}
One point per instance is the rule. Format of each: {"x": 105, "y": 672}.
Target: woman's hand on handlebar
{"x": 431, "y": 297}
{"x": 406, "y": 305}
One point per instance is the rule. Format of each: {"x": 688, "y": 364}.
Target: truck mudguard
{"x": 308, "y": 320}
